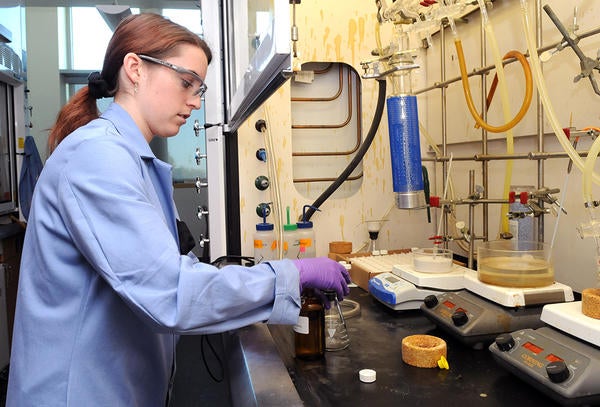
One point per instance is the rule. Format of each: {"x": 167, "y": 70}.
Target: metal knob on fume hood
{"x": 199, "y": 156}
{"x": 200, "y": 184}
{"x": 203, "y": 241}
{"x": 505, "y": 342}
{"x": 459, "y": 318}
{"x": 261, "y": 154}
{"x": 431, "y": 301}
{"x": 202, "y": 211}
{"x": 261, "y": 182}
{"x": 197, "y": 128}
{"x": 557, "y": 371}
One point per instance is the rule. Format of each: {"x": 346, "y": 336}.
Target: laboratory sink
{"x": 238, "y": 368}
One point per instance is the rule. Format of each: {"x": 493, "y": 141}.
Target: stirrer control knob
{"x": 505, "y": 342}
{"x": 557, "y": 371}
{"x": 460, "y": 317}
{"x": 431, "y": 301}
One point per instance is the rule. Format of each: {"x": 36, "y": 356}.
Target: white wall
{"x": 42, "y": 72}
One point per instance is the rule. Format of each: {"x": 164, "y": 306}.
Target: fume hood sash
{"x": 267, "y": 69}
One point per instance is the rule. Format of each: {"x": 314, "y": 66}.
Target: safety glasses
{"x": 199, "y": 91}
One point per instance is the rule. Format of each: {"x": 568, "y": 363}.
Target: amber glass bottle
{"x": 309, "y": 337}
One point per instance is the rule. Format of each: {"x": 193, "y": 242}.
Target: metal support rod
{"x": 586, "y": 63}
{"x": 566, "y": 36}
{"x": 541, "y": 155}
{"x": 488, "y": 68}
{"x": 591, "y": 133}
{"x": 461, "y": 238}
{"x": 484, "y": 137}
{"x": 444, "y": 122}
{"x": 532, "y": 155}
{"x": 540, "y": 122}
{"x": 471, "y": 219}
{"x": 469, "y": 201}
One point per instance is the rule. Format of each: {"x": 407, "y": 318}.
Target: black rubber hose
{"x": 427, "y": 191}
{"x": 359, "y": 154}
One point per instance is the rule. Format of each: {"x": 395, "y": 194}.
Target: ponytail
{"x": 79, "y": 110}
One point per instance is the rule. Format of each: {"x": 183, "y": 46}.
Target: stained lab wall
{"x": 345, "y": 32}
{"x": 330, "y": 32}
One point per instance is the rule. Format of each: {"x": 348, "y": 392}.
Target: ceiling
{"x": 143, "y": 4}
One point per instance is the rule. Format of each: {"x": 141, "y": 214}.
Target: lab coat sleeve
{"x": 120, "y": 229}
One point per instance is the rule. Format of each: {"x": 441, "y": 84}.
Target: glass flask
{"x": 336, "y": 334}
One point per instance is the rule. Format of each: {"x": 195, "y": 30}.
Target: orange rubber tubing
{"x": 467, "y": 91}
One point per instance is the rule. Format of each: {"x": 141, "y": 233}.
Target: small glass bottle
{"x": 336, "y": 334}
{"x": 309, "y": 338}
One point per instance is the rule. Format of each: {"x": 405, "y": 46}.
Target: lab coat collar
{"x": 125, "y": 125}
{"x": 162, "y": 178}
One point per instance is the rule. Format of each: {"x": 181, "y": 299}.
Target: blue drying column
{"x": 405, "y": 150}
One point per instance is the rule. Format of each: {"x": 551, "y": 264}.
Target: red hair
{"x": 148, "y": 34}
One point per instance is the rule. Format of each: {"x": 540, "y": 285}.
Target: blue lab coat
{"x": 104, "y": 292}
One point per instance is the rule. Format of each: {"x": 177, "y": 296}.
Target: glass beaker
{"x": 515, "y": 263}
{"x": 336, "y": 334}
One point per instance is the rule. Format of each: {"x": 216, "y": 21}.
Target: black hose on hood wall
{"x": 359, "y": 154}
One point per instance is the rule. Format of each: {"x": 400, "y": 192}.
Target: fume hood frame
{"x": 256, "y": 63}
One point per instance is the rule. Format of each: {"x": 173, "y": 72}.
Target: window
{"x": 192, "y": 19}
{"x": 82, "y": 48}
{"x": 89, "y": 37}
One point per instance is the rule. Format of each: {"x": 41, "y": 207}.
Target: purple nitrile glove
{"x": 323, "y": 273}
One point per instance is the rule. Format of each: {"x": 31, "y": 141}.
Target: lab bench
{"x": 259, "y": 368}
{"x": 473, "y": 378}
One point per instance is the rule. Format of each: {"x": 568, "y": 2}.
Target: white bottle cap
{"x": 367, "y": 375}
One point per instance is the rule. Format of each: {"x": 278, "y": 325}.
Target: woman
{"x": 104, "y": 291}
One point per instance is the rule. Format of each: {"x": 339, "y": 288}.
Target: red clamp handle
{"x": 436, "y": 239}
{"x": 523, "y": 197}
{"x": 434, "y": 201}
